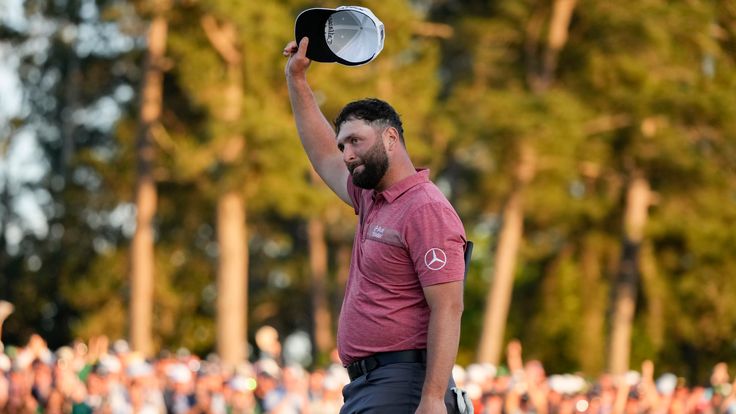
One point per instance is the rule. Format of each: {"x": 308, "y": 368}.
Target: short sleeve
{"x": 435, "y": 239}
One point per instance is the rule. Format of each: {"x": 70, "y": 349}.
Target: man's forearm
{"x": 314, "y": 130}
{"x": 442, "y": 343}
{"x": 317, "y": 136}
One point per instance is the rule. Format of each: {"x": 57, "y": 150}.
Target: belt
{"x": 366, "y": 365}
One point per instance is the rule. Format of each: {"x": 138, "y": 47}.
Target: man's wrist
{"x": 431, "y": 404}
{"x": 294, "y": 78}
{"x": 433, "y": 392}
{"x": 429, "y": 397}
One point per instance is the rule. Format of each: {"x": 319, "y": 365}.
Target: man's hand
{"x": 431, "y": 406}
{"x": 298, "y": 62}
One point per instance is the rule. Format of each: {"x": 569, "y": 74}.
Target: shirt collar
{"x": 392, "y": 193}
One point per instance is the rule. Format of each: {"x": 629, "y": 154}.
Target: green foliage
{"x": 647, "y": 73}
{"x": 645, "y": 88}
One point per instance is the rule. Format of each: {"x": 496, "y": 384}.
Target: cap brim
{"x": 311, "y": 24}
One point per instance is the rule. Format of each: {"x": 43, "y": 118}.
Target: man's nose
{"x": 348, "y": 155}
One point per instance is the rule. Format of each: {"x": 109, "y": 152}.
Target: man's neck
{"x": 396, "y": 173}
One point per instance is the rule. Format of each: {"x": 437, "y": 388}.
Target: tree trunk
{"x": 318, "y": 265}
{"x": 626, "y": 285}
{"x": 232, "y": 289}
{"x": 318, "y": 258}
{"x": 499, "y": 295}
{"x": 654, "y": 291}
{"x": 68, "y": 127}
{"x": 232, "y": 272}
{"x": 558, "y": 30}
{"x": 594, "y": 307}
{"x": 344, "y": 255}
{"x": 142, "y": 248}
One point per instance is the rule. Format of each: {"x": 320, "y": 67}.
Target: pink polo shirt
{"x": 408, "y": 237}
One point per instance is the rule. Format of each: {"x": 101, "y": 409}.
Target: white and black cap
{"x": 350, "y": 35}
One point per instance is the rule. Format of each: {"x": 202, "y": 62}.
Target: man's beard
{"x": 375, "y": 164}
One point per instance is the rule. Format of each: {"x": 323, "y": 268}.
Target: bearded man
{"x": 399, "y": 326}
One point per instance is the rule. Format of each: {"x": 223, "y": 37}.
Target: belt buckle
{"x": 370, "y": 363}
{"x": 363, "y": 366}
{"x": 356, "y": 369}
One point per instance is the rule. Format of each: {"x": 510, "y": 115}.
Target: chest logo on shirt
{"x": 435, "y": 258}
{"x": 378, "y": 231}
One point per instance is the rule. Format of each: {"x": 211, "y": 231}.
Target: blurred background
{"x": 153, "y": 188}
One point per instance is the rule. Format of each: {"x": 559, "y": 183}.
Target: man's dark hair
{"x": 373, "y": 111}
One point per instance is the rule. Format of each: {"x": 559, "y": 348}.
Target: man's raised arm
{"x": 315, "y": 132}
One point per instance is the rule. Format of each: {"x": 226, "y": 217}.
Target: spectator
{"x": 268, "y": 375}
{"x": 240, "y": 397}
{"x": 292, "y": 396}
{"x": 208, "y": 391}
{"x": 144, "y": 394}
{"x": 267, "y": 341}
{"x": 4, "y": 384}
{"x": 178, "y": 395}
{"x": 6, "y": 309}
{"x": 328, "y": 399}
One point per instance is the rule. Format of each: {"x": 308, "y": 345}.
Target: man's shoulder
{"x": 429, "y": 193}
{"x": 427, "y": 202}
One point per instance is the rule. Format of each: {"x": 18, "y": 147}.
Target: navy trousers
{"x": 390, "y": 389}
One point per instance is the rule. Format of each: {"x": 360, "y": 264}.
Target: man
{"x": 399, "y": 326}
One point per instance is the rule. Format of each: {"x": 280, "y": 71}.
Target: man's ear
{"x": 392, "y": 135}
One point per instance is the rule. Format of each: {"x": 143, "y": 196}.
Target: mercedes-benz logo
{"x": 435, "y": 258}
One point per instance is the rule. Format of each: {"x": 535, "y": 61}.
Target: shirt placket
{"x": 378, "y": 201}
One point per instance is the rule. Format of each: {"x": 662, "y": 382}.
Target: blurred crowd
{"x": 104, "y": 377}
{"x": 107, "y": 377}
{"x": 525, "y": 387}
